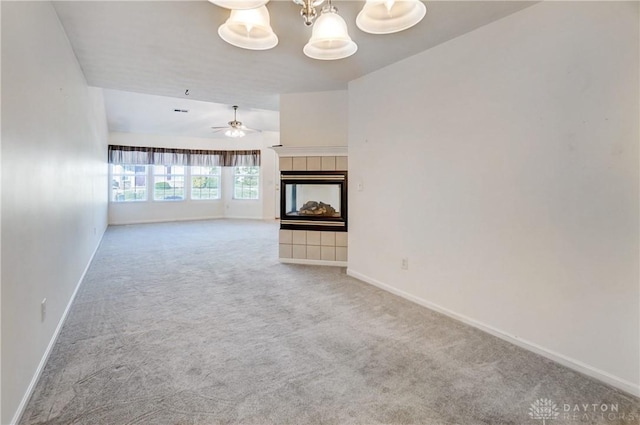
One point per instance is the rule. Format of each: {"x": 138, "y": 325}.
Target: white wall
{"x": 512, "y": 185}
{"x": 54, "y": 196}
{"x": 0, "y": 228}
{"x": 270, "y": 175}
{"x": 263, "y": 208}
{"x": 314, "y": 119}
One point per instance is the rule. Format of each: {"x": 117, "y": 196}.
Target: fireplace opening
{"x": 314, "y": 200}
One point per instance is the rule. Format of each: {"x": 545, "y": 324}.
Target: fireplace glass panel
{"x": 313, "y": 200}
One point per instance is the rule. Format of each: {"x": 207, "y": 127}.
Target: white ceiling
{"x": 145, "y": 113}
{"x": 163, "y": 48}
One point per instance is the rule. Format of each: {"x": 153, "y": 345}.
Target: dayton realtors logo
{"x": 545, "y": 410}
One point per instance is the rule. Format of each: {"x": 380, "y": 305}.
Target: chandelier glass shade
{"x": 239, "y": 4}
{"x": 249, "y": 26}
{"x": 249, "y": 29}
{"x": 330, "y": 38}
{"x": 389, "y": 16}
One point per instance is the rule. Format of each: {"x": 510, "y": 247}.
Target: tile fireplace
{"x": 312, "y": 205}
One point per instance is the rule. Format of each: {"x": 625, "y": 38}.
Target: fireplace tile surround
{"x": 313, "y": 245}
{"x": 316, "y": 247}
{"x": 313, "y": 163}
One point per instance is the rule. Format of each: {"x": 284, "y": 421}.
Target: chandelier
{"x": 249, "y": 26}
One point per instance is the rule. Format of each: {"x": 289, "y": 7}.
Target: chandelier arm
{"x": 314, "y": 3}
{"x": 308, "y": 11}
{"x": 329, "y": 7}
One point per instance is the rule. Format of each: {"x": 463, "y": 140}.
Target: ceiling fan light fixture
{"x": 249, "y": 29}
{"x": 235, "y": 133}
{"x": 390, "y": 16}
{"x": 239, "y": 4}
{"x": 234, "y": 128}
{"x": 330, "y": 38}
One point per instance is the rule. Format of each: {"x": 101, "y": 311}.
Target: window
{"x": 147, "y": 174}
{"x": 205, "y": 183}
{"x": 168, "y": 182}
{"x": 128, "y": 183}
{"x": 245, "y": 182}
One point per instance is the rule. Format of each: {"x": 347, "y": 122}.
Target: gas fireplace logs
{"x": 317, "y": 208}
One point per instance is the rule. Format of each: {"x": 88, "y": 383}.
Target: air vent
{"x": 181, "y": 110}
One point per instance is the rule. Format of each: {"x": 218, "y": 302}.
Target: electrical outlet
{"x": 405, "y": 264}
{"x": 43, "y": 309}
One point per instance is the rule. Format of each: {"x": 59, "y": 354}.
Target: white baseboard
{"x": 163, "y": 220}
{"x": 239, "y": 217}
{"x": 171, "y": 220}
{"x": 314, "y": 262}
{"x": 27, "y": 395}
{"x": 622, "y": 384}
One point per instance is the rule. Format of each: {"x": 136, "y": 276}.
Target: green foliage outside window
{"x": 205, "y": 183}
{"x": 246, "y": 182}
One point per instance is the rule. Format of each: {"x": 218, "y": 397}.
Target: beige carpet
{"x": 198, "y": 323}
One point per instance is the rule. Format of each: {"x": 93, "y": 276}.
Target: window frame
{"x": 154, "y": 175}
{"x": 113, "y": 175}
{"x": 192, "y": 175}
{"x": 257, "y": 186}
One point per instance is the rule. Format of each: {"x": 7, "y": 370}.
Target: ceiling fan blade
{"x": 216, "y": 130}
{"x": 235, "y": 125}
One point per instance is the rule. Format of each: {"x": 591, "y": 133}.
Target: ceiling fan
{"x": 235, "y": 128}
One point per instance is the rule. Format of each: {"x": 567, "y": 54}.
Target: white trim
{"x": 313, "y": 262}
{"x": 164, "y": 220}
{"x": 238, "y": 217}
{"x": 172, "y": 220}
{"x": 286, "y": 151}
{"x": 27, "y": 395}
{"x": 606, "y": 377}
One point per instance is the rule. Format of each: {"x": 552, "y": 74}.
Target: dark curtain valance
{"x": 169, "y": 156}
{"x": 240, "y": 158}
{"x": 162, "y": 156}
{"x": 129, "y": 155}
